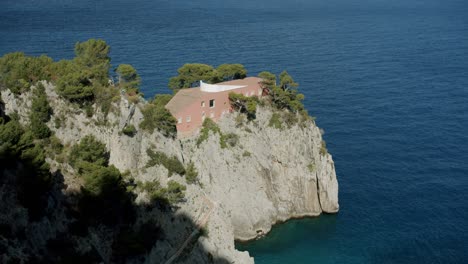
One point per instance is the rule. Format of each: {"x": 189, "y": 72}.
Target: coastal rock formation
{"x": 268, "y": 176}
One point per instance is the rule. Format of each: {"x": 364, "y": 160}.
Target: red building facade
{"x": 191, "y": 106}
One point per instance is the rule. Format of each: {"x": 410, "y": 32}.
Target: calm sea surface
{"x": 388, "y": 81}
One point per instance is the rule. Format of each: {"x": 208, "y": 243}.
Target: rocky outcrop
{"x": 270, "y": 175}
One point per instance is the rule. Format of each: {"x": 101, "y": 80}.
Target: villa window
{"x": 202, "y": 103}
{"x": 179, "y": 120}
{"x": 188, "y": 119}
{"x": 212, "y": 103}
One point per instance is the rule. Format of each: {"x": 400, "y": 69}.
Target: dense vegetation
{"x": 18, "y": 71}
{"x": 83, "y": 80}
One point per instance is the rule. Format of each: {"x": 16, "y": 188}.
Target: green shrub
{"x": 246, "y": 154}
{"x": 191, "y": 173}
{"x": 129, "y": 130}
{"x": 275, "y": 121}
{"x": 104, "y": 198}
{"x": 40, "y": 113}
{"x": 229, "y": 139}
{"x": 154, "y": 190}
{"x": 104, "y": 96}
{"x": 172, "y": 164}
{"x": 75, "y": 86}
{"x": 208, "y": 125}
{"x": 311, "y": 167}
{"x": 99, "y": 178}
{"x": 89, "y": 150}
{"x": 225, "y": 140}
{"x": 156, "y": 116}
{"x": 244, "y": 104}
{"x": 175, "y": 192}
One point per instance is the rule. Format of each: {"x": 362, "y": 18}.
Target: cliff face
{"x": 270, "y": 175}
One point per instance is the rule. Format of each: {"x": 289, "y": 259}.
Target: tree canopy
{"x": 284, "y": 95}
{"x": 40, "y": 113}
{"x": 228, "y": 72}
{"x": 129, "y": 79}
{"x": 89, "y": 150}
{"x": 191, "y": 74}
{"x": 93, "y": 55}
{"x": 18, "y": 71}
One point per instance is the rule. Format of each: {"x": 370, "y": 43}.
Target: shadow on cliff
{"x": 104, "y": 228}
{"x": 40, "y": 222}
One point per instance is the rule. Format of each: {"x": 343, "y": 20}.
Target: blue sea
{"x": 386, "y": 79}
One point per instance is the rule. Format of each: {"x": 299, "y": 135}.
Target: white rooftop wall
{"x": 215, "y": 88}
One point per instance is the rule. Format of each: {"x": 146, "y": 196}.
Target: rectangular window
{"x": 202, "y": 103}
{"x": 179, "y": 120}
{"x": 188, "y": 118}
{"x": 212, "y": 103}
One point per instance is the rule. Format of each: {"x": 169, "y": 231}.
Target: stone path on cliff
{"x": 201, "y": 222}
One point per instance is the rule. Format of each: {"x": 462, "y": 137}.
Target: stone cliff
{"x": 270, "y": 175}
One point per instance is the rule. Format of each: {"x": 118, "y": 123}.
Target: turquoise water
{"x": 388, "y": 81}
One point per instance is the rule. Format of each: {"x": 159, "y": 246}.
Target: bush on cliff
{"x": 104, "y": 197}
{"x": 40, "y": 113}
{"x": 191, "y": 173}
{"x": 89, "y": 150}
{"x": 225, "y": 140}
{"x": 129, "y": 130}
{"x": 172, "y": 164}
{"x": 156, "y": 116}
{"x": 244, "y": 104}
{"x": 208, "y": 125}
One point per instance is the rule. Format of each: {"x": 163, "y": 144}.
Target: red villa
{"x": 191, "y": 106}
